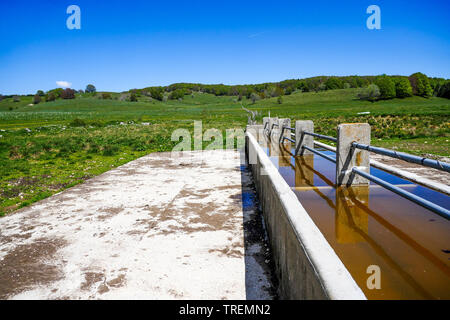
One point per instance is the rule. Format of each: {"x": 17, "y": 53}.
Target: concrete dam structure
{"x": 343, "y": 226}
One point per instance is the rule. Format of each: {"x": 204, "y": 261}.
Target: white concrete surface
{"x": 155, "y": 228}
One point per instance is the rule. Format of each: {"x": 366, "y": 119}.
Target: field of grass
{"x": 54, "y": 145}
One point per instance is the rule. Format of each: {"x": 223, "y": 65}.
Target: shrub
{"x": 177, "y": 94}
{"x": 90, "y": 88}
{"x": 254, "y": 97}
{"x": 16, "y": 99}
{"x": 403, "y": 88}
{"x": 444, "y": 90}
{"x": 110, "y": 150}
{"x": 50, "y": 97}
{"x": 106, "y": 95}
{"x": 280, "y": 100}
{"x": 333, "y": 83}
{"x": 77, "y": 123}
{"x": 386, "y": 86}
{"x": 68, "y": 94}
{"x": 371, "y": 93}
{"x": 420, "y": 85}
{"x": 156, "y": 93}
{"x": 57, "y": 92}
{"x": 36, "y": 99}
{"x": 133, "y": 97}
{"x": 40, "y": 93}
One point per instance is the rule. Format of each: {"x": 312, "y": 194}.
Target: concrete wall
{"x": 306, "y": 265}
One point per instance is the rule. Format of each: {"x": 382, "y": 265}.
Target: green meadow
{"x": 48, "y": 147}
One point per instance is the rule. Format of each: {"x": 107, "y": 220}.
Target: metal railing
{"x": 321, "y": 136}
{"x": 405, "y": 194}
{"x": 282, "y": 132}
{"x": 435, "y": 164}
{"x": 323, "y": 155}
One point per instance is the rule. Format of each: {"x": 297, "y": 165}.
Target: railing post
{"x": 266, "y": 121}
{"x": 348, "y": 157}
{"x": 284, "y": 122}
{"x": 255, "y": 130}
{"x": 271, "y": 122}
{"x": 303, "y": 139}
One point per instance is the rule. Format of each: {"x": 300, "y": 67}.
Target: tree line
{"x": 372, "y": 88}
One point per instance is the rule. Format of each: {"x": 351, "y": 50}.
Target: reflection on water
{"x": 373, "y": 226}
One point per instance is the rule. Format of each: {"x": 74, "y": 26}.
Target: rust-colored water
{"x": 373, "y": 226}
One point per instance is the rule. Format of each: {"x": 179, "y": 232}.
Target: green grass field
{"x": 54, "y": 145}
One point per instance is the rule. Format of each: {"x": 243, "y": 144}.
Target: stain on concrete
{"x": 137, "y": 219}
{"x": 29, "y": 265}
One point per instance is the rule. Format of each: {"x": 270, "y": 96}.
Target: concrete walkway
{"x": 155, "y": 228}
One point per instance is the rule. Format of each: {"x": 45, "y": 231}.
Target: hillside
{"x": 51, "y": 146}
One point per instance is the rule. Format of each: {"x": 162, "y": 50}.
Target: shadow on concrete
{"x": 261, "y": 282}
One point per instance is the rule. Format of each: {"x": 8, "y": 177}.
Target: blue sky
{"x": 134, "y": 44}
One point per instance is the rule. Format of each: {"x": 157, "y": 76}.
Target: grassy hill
{"x": 48, "y": 147}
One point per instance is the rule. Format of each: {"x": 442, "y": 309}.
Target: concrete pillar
{"x": 303, "y": 139}
{"x": 348, "y": 157}
{"x": 271, "y": 122}
{"x": 284, "y": 122}
{"x": 255, "y": 130}
{"x": 266, "y": 120}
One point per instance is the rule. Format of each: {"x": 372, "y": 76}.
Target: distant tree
{"x": 321, "y": 87}
{"x": 68, "y": 94}
{"x": 386, "y": 86}
{"x": 280, "y": 99}
{"x": 81, "y": 91}
{"x": 50, "y": 97}
{"x": 156, "y": 93}
{"x": 403, "y": 88}
{"x": 36, "y": 99}
{"x": 420, "y": 85}
{"x": 90, "y": 88}
{"x": 347, "y": 85}
{"x": 1, "y": 97}
{"x": 444, "y": 90}
{"x": 177, "y": 94}
{"x": 133, "y": 97}
{"x": 278, "y": 92}
{"x": 40, "y": 93}
{"x": 333, "y": 83}
{"x": 254, "y": 97}
{"x": 56, "y": 92}
{"x": 371, "y": 93}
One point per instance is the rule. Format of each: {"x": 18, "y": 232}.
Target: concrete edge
{"x": 335, "y": 279}
{"x": 437, "y": 186}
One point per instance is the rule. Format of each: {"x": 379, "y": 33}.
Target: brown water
{"x": 373, "y": 226}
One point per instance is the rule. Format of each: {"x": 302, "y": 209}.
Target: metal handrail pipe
{"x": 289, "y": 139}
{"x": 405, "y": 194}
{"x": 320, "y": 154}
{"x": 435, "y": 164}
{"x": 321, "y": 136}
